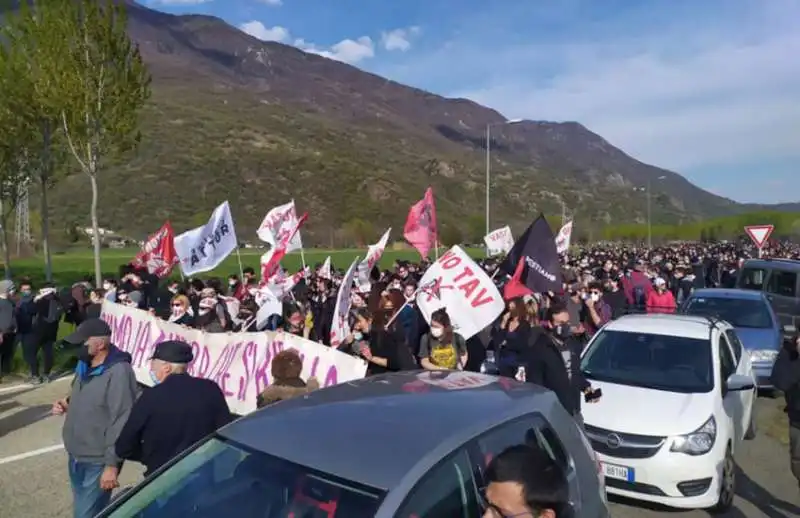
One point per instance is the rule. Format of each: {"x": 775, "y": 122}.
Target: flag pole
{"x": 238, "y": 258}
{"x": 437, "y": 249}
{"x": 303, "y": 257}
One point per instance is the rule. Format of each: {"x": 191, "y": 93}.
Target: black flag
{"x": 537, "y": 245}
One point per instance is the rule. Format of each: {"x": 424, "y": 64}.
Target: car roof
{"x": 688, "y": 326}
{"x": 375, "y": 430}
{"x": 728, "y": 293}
{"x": 772, "y": 263}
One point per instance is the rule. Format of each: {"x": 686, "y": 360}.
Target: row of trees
{"x": 71, "y": 88}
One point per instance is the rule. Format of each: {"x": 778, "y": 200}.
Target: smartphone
{"x": 593, "y": 395}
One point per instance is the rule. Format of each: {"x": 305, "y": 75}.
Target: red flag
{"x": 421, "y": 229}
{"x": 515, "y": 288}
{"x": 158, "y": 252}
{"x": 270, "y": 267}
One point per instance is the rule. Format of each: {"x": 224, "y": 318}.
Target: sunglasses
{"x": 177, "y": 305}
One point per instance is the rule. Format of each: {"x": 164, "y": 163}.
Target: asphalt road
{"x": 33, "y": 469}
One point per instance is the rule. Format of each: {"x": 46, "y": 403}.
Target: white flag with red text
{"x": 374, "y": 254}
{"x": 563, "y": 238}
{"x": 499, "y": 241}
{"x": 278, "y": 224}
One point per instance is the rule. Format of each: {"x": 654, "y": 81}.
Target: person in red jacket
{"x": 660, "y": 300}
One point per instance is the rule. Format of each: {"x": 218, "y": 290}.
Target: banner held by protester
{"x": 238, "y": 362}
{"x": 340, "y": 327}
{"x": 455, "y": 282}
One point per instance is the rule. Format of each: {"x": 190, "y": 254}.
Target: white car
{"x": 677, "y": 400}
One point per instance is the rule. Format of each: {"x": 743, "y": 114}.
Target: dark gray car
{"x": 404, "y": 445}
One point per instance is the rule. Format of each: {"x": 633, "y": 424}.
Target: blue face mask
{"x": 154, "y": 378}
{"x": 358, "y": 335}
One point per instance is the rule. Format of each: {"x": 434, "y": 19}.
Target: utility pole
{"x": 23, "y": 219}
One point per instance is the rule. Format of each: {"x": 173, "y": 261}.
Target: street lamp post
{"x": 489, "y": 163}
{"x": 650, "y": 213}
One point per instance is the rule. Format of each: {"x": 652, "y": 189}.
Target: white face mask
{"x": 583, "y": 296}
{"x": 595, "y": 297}
{"x": 437, "y": 332}
{"x": 106, "y": 286}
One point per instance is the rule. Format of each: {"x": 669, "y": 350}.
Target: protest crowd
{"x": 525, "y": 311}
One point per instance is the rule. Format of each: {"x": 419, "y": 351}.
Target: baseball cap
{"x": 88, "y": 329}
{"x": 173, "y": 351}
{"x": 659, "y": 281}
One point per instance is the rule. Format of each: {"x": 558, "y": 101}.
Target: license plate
{"x": 619, "y": 472}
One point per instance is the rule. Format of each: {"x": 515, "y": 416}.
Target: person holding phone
{"x": 553, "y": 361}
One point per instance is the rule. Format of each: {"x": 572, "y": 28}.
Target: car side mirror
{"x": 789, "y": 330}
{"x": 739, "y": 382}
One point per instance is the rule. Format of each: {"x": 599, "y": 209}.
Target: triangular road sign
{"x": 759, "y": 234}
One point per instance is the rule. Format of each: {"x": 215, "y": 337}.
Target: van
{"x": 779, "y": 279}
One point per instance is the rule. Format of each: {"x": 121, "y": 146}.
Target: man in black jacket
{"x": 175, "y": 413}
{"x": 553, "y": 361}
{"x": 786, "y": 378}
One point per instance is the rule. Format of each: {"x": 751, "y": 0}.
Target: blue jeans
{"x": 87, "y": 497}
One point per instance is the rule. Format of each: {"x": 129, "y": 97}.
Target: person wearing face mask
{"x": 598, "y": 312}
{"x": 103, "y": 392}
{"x": 206, "y": 319}
{"x": 181, "y": 311}
{"x": 176, "y": 412}
{"x": 110, "y": 287}
{"x": 383, "y": 350}
{"x": 553, "y": 361}
{"x": 660, "y": 300}
{"x": 294, "y": 321}
{"x": 575, "y": 307}
{"x": 442, "y": 348}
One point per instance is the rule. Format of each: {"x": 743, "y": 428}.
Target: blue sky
{"x": 709, "y": 89}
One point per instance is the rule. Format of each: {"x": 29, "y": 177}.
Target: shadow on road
{"x": 8, "y": 406}
{"x": 762, "y": 499}
{"x": 14, "y": 394}
{"x": 24, "y": 418}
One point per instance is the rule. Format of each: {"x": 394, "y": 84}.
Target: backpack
{"x": 55, "y": 311}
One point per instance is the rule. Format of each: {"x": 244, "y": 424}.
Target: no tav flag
{"x": 203, "y": 248}
{"x": 537, "y": 247}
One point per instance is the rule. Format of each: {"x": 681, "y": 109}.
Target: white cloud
{"x": 259, "y": 30}
{"x": 682, "y": 93}
{"x": 347, "y": 50}
{"x": 398, "y": 39}
{"x": 273, "y": 3}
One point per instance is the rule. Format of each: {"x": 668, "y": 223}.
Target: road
{"x": 33, "y": 480}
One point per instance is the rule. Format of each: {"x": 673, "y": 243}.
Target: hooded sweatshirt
{"x": 99, "y": 405}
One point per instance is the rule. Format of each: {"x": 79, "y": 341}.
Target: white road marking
{"x": 29, "y": 454}
{"x": 22, "y": 386}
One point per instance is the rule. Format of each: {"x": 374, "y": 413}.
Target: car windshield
{"x": 660, "y": 362}
{"x": 737, "y": 312}
{"x": 221, "y": 478}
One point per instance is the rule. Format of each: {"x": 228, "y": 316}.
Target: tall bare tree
{"x": 99, "y": 82}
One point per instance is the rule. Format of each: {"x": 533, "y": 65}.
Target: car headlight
{"x": 763, "y": 355}
{"x": 698, "y": 442}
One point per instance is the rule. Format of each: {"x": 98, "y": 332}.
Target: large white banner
{"x": 564, "y": 238}
{"x": 240, "y": 363}
{"x": 499, "y": 241}
{"x": 278, "y": 224}
{"x": 456, "y": 283}
{"x": 374, "y": 254}
{"x": 203, "y": 248}
{"x": 340, "y": 327}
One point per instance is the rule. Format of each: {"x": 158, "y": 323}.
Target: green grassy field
{"x": 73, "y": 266}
